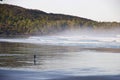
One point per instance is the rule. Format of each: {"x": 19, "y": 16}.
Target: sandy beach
{"x": 54, "y": 62}
{"x": 49, "y": 75}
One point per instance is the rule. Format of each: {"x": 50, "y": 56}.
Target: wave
{"x": 82, "y": 41}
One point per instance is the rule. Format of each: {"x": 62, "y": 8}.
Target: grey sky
{"x": 100, "y": 10}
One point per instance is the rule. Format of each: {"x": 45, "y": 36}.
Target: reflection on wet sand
{"x": 21, "y": 55}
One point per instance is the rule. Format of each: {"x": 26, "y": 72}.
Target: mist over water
{"x": 86, "y": 37}
{"x": 78, "y": 52}
{"x": 90, "y": 32}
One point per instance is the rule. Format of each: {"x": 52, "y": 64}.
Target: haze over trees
{"x": 16, "y": 20}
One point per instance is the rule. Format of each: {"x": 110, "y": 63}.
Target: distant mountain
{"x": 16, "y": 20}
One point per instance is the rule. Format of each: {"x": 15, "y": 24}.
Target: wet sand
{"x": 91, "y": 60}
{"x": 49, "y": 75}
{"x": 21, "y": 54}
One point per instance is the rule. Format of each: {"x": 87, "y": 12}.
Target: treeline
{"x": 16, "y": 20}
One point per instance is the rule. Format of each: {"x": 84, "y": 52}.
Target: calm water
{"x": 68, "y": 59}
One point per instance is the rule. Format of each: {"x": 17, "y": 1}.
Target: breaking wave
{"x": 82, "y": 41}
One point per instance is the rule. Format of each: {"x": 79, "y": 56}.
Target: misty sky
{"x": 100, "y": 10}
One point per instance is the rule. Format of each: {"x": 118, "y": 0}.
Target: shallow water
{"x": 61, "y": 55}
{"x": 68, "y": 60}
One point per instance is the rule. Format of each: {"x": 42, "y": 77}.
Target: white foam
{"x": 83, "y": 41}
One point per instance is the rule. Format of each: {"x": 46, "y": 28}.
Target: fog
{"x": 112, "y": 34}
{"x": 77, "y": 51}
{"x": 90, "y": 32}
{"x": 86, "y": 37}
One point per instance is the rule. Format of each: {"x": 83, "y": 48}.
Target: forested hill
{"x": 16, "y": 20}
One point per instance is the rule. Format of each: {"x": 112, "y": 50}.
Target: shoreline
{"x": 68, "y": 73}
{"x": 101, "y": 49}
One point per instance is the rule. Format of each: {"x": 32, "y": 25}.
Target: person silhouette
{"x": 34, "y": 59}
